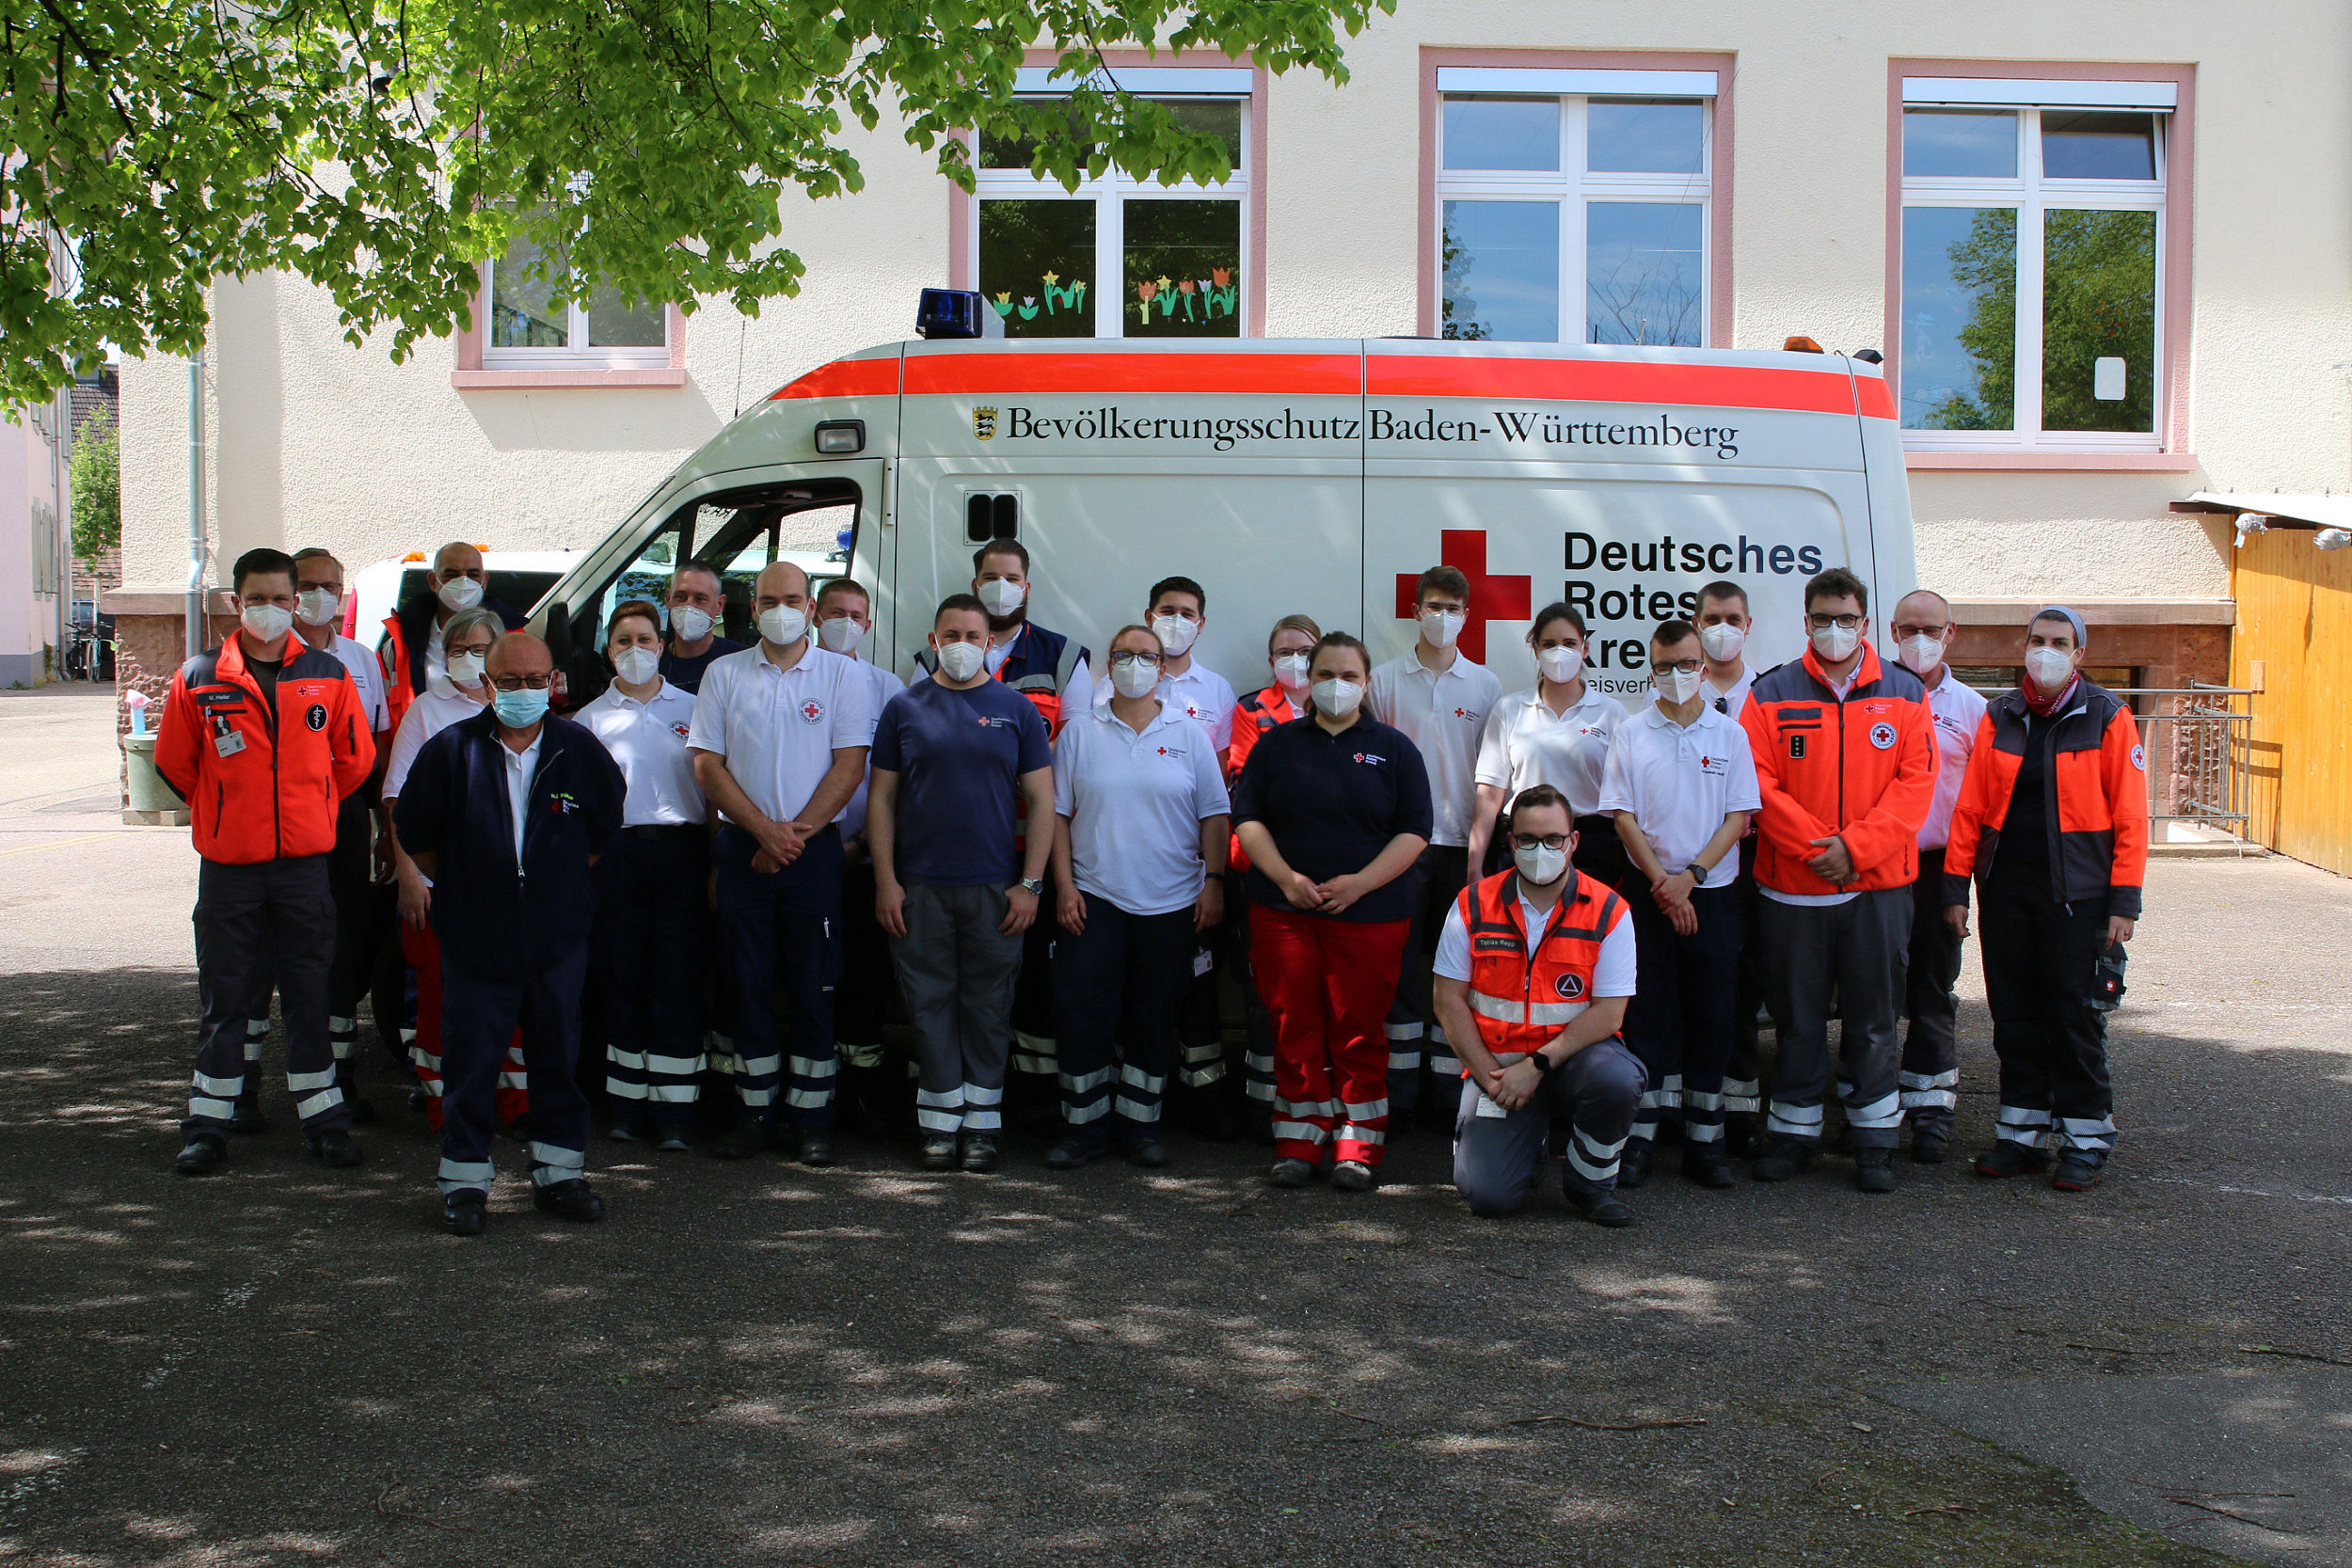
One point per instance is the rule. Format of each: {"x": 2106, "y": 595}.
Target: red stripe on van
{"x": 1592, "y": 381}
{"x": 846, "y": 378}
{"x": 1267, "y": 374}
{"x": 1878, "y": 399}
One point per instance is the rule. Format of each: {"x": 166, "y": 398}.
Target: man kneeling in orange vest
{"x": 1535, "y": 1021}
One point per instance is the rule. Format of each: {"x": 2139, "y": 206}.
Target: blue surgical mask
{"x": 520, "y": 710}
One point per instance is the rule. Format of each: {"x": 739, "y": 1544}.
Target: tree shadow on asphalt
{"x": 763, "y": 1363}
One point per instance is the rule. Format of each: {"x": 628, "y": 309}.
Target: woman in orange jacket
{"x": 2053, "y": 824}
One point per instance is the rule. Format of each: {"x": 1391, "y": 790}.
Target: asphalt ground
{"x": 765, "y": 1364}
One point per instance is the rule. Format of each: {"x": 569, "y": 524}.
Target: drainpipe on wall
{"x": 196, "y": 629}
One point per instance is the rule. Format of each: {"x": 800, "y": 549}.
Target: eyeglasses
{"x": 1125, "y": 657}
{"x": 1550, "y": 841}
{"x": 1904, "y": 630}
{"x": 1680, "y": 667}
{"x": 1843, "y": 622}
{"x": 516, "y": 683}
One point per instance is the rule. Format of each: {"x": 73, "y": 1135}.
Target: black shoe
{"x": 1705, "y": 1164}
{"x": 570, "y": 1200}
{"x": 202, "y": 1155}
{"x": 1602, "y": 1207}
{"x": 1874, "y": 1170}
{"x": 1634, "y": 1164}
{"x": 247, "y": 1116}
{"x": 2077, "y": 1175}
{"x": 1290, "y": 1173}
{"x": 2007, "y": 1156}
{"x": 675, "y": 1141}
{"x": 1069, "y": 1152}
{"x": 1151, "y": 1153}
{"x": 817, "y": 1148}
{"x": 746, "y": 1140}
{"x": 1931, "y": 1146}
{"x": 630, "y": 1127}
{"x": 1784, "y": 1158}
{"x": 1353, "y": 1176}
{"x": 418, "y": 1099}
{"x": 338, "y": 1148}
{"x": 981, "y": 1153}
{"x": 1744, "y": 1134}
{"x": 938, "y": 1151}
{"x": 464, "y": 1213}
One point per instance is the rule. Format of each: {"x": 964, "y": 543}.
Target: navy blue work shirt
{"x": 687, "y": 674}
{"x": 493, "y": 918}
{"x": 1332, "y": 802}
{"x": 958, "y": 755}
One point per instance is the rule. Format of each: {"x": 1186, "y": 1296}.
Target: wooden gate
{"x": 2294, "y": 634}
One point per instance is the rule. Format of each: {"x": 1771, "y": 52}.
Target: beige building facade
{"x": 2102, "y": 245}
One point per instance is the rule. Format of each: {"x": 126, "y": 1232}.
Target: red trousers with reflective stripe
{"x": 1327, "y": 984}
{"x": 423, "y": 949}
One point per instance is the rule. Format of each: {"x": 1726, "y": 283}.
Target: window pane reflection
{"x": 1967, "y": 143}
{"x": 2086, "y": 144}
{"x": 1503, "y": 271}
{"x": 2099, "y": 302}
{"x": 1184, "y": 269}
{"x": 1959, "y": 318}
{"x": 1644, "y": 272}
{"x": 1502, "y": 132}
{"x": 614, "y": 323}
{"x": 521, "y": 311}
{"x": 1645, "y": 136}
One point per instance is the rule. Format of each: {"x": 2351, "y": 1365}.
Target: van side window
{"x": 986, "y": 518}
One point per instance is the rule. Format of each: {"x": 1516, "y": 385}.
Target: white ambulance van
{"x": 1299, "y": 476}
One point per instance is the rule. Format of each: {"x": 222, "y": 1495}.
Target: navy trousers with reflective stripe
{"x": 649, "y": 945}
{"x": 1117, "y": 985}
{"x": 2039, "y": 956}
{"x": 479, "y": 1017}
{"x": 781, "y": 926}
{"x": 1850, "y": 956}
{"x": 1497, "y": 1159}
{"x": 1930, "y": 1070}
{"x": 248, "y": 917}
{"x": 1680, "y": 1022}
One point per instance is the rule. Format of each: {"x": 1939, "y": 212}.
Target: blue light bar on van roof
{"x": 950, "y": 313}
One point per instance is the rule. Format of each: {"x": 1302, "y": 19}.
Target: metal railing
{"x": 2201, "y": 755}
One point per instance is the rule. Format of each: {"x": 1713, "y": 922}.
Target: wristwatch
{"x": 1696, "y": 872}
{"x": 1034, "y": 886}
{"x": 1545, "y": 1067}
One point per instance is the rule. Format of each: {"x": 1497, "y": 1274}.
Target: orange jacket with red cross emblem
{"x": 263, "y": 780}
{"x": 1523, "y": 995}
{"x": 1861, "y": 768}
{"x": 2097, "y": 799}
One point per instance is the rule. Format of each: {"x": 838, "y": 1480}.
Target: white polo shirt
{"x": 1527, "y": 744}
{"x": 648, "y": 740}
{"x": 1956, "y": 711}
{"x": 1614, "y": 968}
{"x": 778, "y": 729}
{"x": 436, "y": 707}
{"x": 887, "y": 686}
{"x": 367, "y": 675}
{"x": 1678, "y": 783}
{"x": 1136, "y": 802}
{"x": 1729, "y": 700}
{"x": 520, "y": 766}
{"x": 1444, "y": 714}
{"x": 1199, "y": 694}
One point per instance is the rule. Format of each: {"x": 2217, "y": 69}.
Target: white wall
{"x": 32, "y": 483}
{"x": 321, "y": 443}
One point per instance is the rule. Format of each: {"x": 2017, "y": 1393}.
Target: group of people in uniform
{"x": 1546, "y": 923}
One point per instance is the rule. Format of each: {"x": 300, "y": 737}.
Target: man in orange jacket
{"x": 264, "y": 737}
{"x": 1845, "y": 764}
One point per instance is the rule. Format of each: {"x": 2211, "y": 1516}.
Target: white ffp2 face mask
{"x": 782, "y": 624}
{"x": 460, "y": 593}
{"x": 466, "y": 669}
{"x": 268, "y": 621}
{"x": 1540, "y": 864}
{"x": 318, "y": 607}
{"x": 1176, "y": 634}
{"x": 1723, "y": 641}
{"x": 1920, "y": 654}
{"x": 637, "y": 665}
{"x": 840, "y": 635}
{"x": 1677, "y": 685}
{"x": 689, "y": 624}
{"x": 1561, "y": 664}
{"x": 961, "y": 661}
{"x": 2051, "y": 667}
{"x": 1338, "y": 699}
{"x": 1000, "y": 598}
{"x": 1134, "y": 678}
{"x": 1832, "y": 645}
{"x": 1439, "y": 627}
{"x": 1290, "y": 671}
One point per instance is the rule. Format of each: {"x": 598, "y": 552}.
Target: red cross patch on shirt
{"x": 812, "y": 711}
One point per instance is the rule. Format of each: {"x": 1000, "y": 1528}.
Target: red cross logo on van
{"x": 1491, "y": 598}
